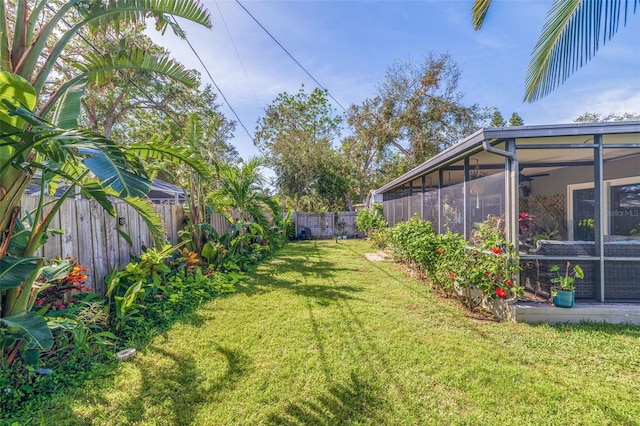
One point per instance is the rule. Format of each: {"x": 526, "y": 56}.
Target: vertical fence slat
{"x": 123, "y": 247}
{"x": 53, "y": 246}
{"x": 85, "y": 242}
{"x": 133, "y": 226}
{"x": 68, "y": 223}
{"x": 112, "y": 255}
{"x": 98, "y": 232}
{"x": 177, "y": 213}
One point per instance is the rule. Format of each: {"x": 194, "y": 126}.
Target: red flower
{"x": 452, "y": 275}
{"x": 39, "y": 302}
{"x": 509, "y": 283}
{"x": 488, "y": 273}
{"x": 496, "y": 250}
{"x": 440, "y": 251}
{"x": 501, "y": 293}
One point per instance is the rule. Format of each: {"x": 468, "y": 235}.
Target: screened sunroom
{"x": 565, "y": 193}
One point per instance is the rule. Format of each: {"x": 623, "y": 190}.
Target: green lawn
{"x": 320, "y": 335}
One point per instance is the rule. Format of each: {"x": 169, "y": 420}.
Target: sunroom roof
{"x": 495, "y": 134}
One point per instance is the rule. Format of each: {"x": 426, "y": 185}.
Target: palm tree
{"x": 569, "y": 39}
{"x": 242, "y": 190}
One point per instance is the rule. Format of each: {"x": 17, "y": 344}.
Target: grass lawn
{"x": 320, "y": 335}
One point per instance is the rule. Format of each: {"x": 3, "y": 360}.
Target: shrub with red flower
{"x": 56, "y": 293}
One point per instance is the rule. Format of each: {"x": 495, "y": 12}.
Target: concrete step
{"x": 612, "y": 313}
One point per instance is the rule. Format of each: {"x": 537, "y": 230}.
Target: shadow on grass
{"x": 180, "y": 389}
{"x": 356, "y": 401}
{"x": 291, "y": 272}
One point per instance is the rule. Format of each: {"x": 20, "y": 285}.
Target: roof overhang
{"x": 496, "y": 134}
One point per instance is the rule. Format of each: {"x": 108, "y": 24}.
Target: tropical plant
{"x": 479, "y": 273}
{"x": 30, "y": 46}
{"x": 569, "y": 39}
{"x": 241, "y": 189}
{"x": 566, "y": 282}
{"x": 138, "y": 279}
{"x": 55, "y": 153}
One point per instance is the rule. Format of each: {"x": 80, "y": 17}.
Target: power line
{"x": 291, "y": 56}
{"x": 244, "y": 70}
{"x": 214, "y": 83}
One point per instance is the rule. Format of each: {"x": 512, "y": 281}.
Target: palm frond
{"x": 479, "y": 12}
{"x": 570, "y": 38}
{"x": 101, "y": 15}
{"x": 163, "y": 151}
{"x": 131, "y": 11}
{"x": 150, "y": 217}
{"x": 99, "y": 67}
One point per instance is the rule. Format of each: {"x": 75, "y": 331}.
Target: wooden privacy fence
{"x": 90, "y": 234}
{"x": 326, "y": 225}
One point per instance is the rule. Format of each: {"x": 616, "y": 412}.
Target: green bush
{"x": 369, "y": 223}
{"x": 454, "y": 264}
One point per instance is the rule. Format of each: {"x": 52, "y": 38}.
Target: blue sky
{"x": 348, "y": 46}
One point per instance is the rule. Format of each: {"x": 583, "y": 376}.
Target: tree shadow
{"x": 292, "y": 271}
{"x": 358, "y": 400}
{"x": 181, "y": 386}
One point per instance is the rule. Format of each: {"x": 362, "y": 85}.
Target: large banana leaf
{"x": 67, "y": 111}
{"x": 16, "y": 90}
{"x": 112, "y": 168}
{"x": 33, "y": 327}
{"x": 14, "y": 270}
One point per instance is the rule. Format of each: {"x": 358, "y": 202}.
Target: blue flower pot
{"x": 563, "y": 299}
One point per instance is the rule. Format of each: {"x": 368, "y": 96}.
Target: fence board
{"x": 123, "y": 246}
{"x": 53, "y": 247}
{"x": 111, "y": 224}
{"x": 327, "y": 225}
{"x": 85, "y": 246}
{"x": 98, "y": 234}
{"x": 70, "y": 238}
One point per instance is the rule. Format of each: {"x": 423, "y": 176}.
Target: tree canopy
{"x": 297, "y": 136}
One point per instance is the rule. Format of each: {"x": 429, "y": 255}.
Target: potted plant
{"x": 563, "y": 294}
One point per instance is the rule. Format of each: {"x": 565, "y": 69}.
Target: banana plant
{"x": 57, "y": 154}
{"x": 31, "y": 43}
